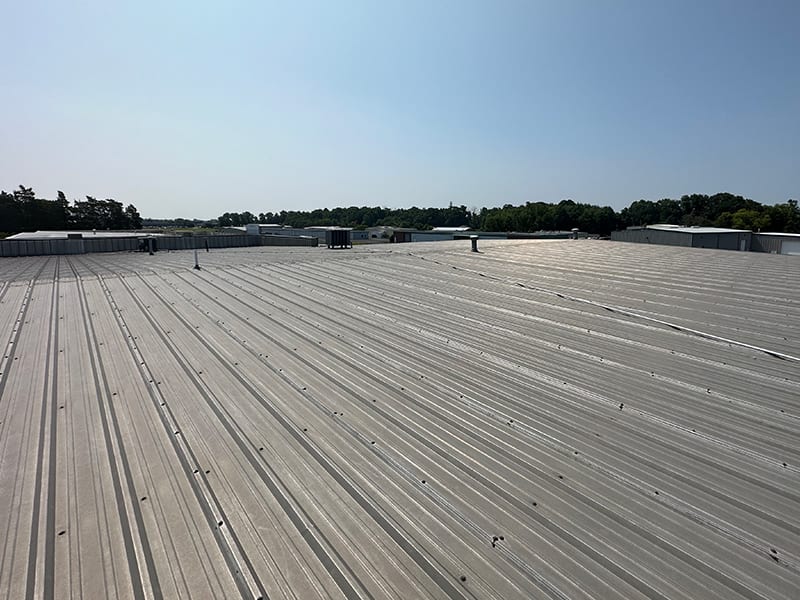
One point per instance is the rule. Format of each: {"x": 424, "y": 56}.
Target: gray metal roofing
{"x": 696, "y": 229}
{"x": 62, "y": 235}
{"x": 401, "y": 421}
{"x": 777, "y": 233}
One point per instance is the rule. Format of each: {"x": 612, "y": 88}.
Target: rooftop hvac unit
{"x": 338, "y": 238}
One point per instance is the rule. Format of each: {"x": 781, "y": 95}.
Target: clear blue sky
{"x": 194, "y": 108}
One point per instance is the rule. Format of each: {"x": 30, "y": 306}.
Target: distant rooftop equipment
{"x": 338, "y": 238}
{"x": 474, "y": 240}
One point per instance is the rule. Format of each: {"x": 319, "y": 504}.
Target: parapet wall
{"x": 131, "y": 244}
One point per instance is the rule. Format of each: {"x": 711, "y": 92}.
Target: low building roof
{"x": 327, "y": 227}
{"x": 682, "y": 229}
{"x": 62, "y": 235}
{"x": 779, "y": 234}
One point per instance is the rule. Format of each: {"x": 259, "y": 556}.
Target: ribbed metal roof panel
{"x": 561, "y": 419}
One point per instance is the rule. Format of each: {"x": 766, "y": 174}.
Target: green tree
{"x": 695, "y": 209}
{"x": 641, "y": 212}
{"x": 134, "y": 219}
{"x": 753, "y": 220}
{"x": 785, "y": 217}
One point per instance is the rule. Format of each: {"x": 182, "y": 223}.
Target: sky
{"x": 193, "y": 109}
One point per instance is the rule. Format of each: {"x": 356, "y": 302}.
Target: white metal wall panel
{"x": 790, "y": 247}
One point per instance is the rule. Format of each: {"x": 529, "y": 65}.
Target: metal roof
{"x": 779, "y": 234}
{"x": 51, "y": 235}
{"x": 678, "y": 228}
{"x": 543, "y": 419}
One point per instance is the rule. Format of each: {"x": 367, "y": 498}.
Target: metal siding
{"x": 653, "y": 236}
{"x": 92, "y": 245}
{"x": 775, "y": 244}
{"x": 766, "y": 243}
{"x": 74, "y": 246}
{"x": 790, "y": 247}
{"x": 417, "y": 236}
{"x": 727, "y": 241}
{"x": 707, "y": 240}
{"x": 280, "y": 240}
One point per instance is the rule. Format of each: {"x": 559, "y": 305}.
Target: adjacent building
{"x": 693, "y": 237}
{"x": 777, "y": 243}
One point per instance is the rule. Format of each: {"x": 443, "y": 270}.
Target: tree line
{"x": 357, "y": 217}
{"x": 718, "y": 210}
{"x": 21, "y": 210}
